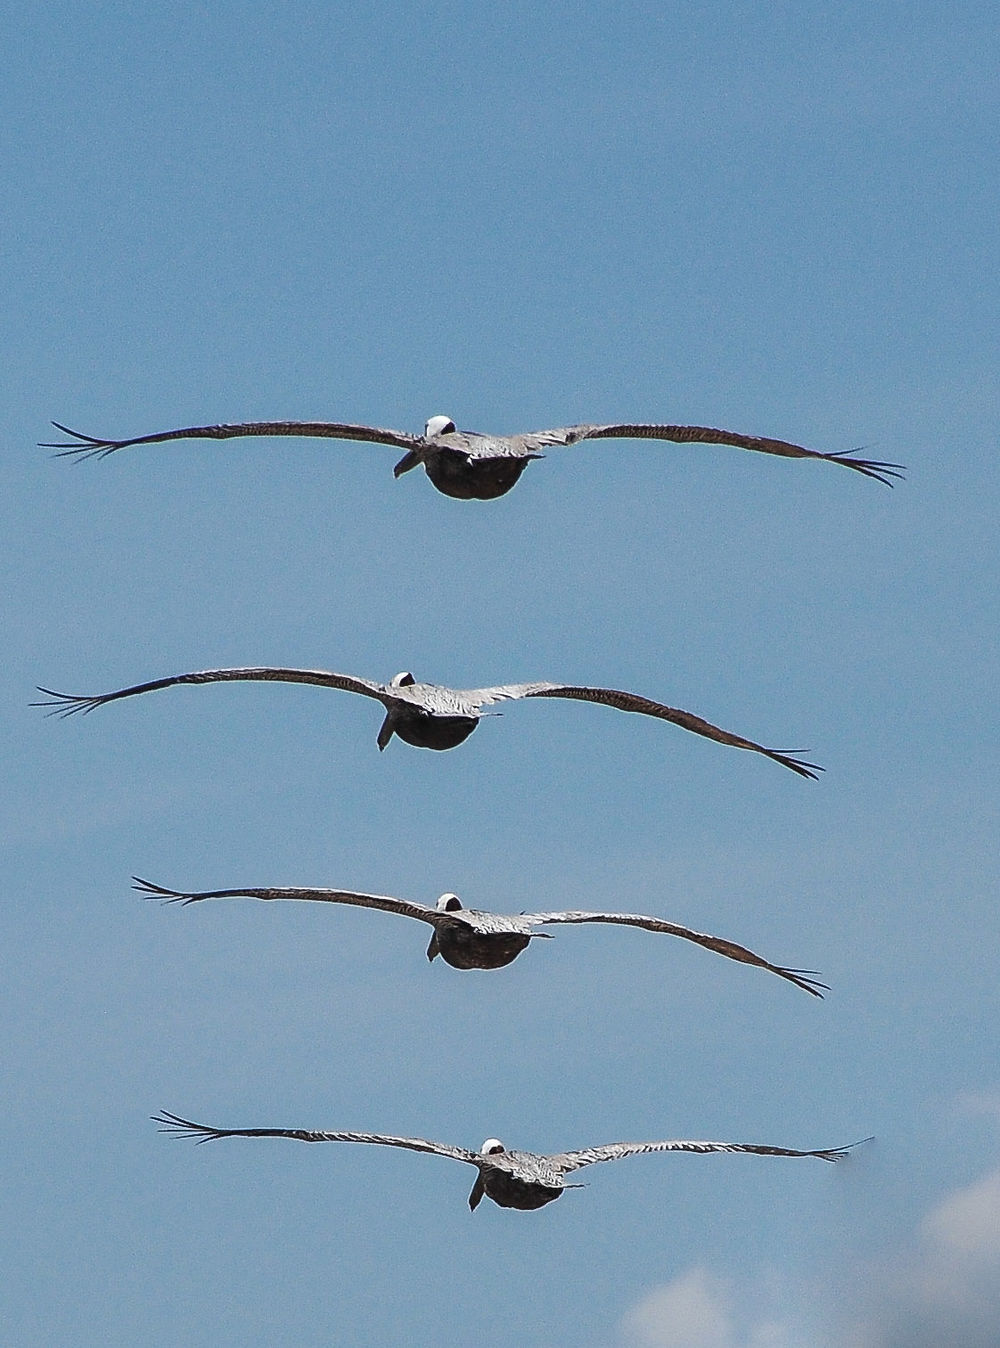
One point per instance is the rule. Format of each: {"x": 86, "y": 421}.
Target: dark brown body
{"x": 463, "y": 948}
{"x": 510, "y": 1192}
{"x": 467, "y": 479}
{"x": 427, "y": 731}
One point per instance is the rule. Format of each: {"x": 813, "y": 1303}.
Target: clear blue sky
{"x": 778, "y": 219}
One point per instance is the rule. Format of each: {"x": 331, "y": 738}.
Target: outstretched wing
{"x": 708, "y": 435}
{"x": 67, "y": 704}
{"x": 89, "y": 447}
{"x": 802, "y": 978}
{"x": 173, "y": 1123}
{"x": 149, "y": 890}
{"x": 615, "y": 1151}
{"x": 612, "y": 697}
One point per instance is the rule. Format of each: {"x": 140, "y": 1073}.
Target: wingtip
{"x": 178, "y": 1127}
{"x": 836, "y": 1154}
{"x": 808, "y": 979}
{"x": 148, "y": 890}
{"x": 790, "y": 758}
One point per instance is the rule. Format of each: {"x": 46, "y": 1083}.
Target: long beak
{"x": 478, "y": 1191}
{"x": 386, "y": 732}
{"x": 409, "y": 460}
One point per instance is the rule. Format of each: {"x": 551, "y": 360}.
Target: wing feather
{"x": 615, "y": 1151}
{"x": 173, "y": 1123}
{"x": 387, "y": 904}
{"x": 88, "y": 446}
{"x": 622, "y": 701}
{"x": 68, "y": 704}
{"x": 709, "y": 435}
{"x": 802, "y": 978}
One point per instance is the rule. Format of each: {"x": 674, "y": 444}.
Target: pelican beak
{"x": 476, "y": 1197}
{"x": 386, "y": 732}
{"x": 409, "y": 460}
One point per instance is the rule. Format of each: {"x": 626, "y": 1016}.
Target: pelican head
{"x": 449, "y": 903}
{"x": 492, "y": 1147}
{"x": 438, "y": 426}
{"x": 402, "y": 679}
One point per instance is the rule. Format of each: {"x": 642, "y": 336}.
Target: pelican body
{"x": 468, "y": 938}
{"x": 512, "y": 1179}
{"x": 465, "y": 945}
{"x": 524, "y": 1180}
{"x": 430, "y": 715}
{"x": 468, "y": 465}
{"x": 426, "y": 729}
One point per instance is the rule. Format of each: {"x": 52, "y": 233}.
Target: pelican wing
{"x": 87, "y": 446}
{"x": 615, "y": 1151}
{"x": 802, "y": 978}
{"x": 149, "y": 890}
{"x": 612, "y": 697}
{"x": 708, "y": 435}
{"x": 173, "y": 1123}
{"x": 67, "y": 704}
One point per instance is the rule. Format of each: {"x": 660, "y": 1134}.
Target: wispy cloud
{"x": 699, "y": 1310}
{"x": 980, "y": 1102}
{"x": 690, "y": 1312}
{"x": 966, "y": 1225}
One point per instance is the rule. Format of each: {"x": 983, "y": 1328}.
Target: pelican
{"x": 429, "y": 715}
{"x": 513, "y": 1179}
{"x": 467, "y": 464}
{"x": 468, "y": 938}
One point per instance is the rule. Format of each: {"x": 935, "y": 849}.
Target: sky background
{"x": 780, "y": 219}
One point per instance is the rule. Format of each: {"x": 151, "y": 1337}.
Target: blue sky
{"x": 780, "y": 220}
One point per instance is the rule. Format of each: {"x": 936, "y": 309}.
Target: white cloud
{"x": 940, "y": 1289}
{"x": 697, "y": 1310}
{"x": 968, "y": 1221}
{"x": 690, "y": 1312}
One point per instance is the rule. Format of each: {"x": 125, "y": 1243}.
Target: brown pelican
{"x": 428, "y": 714}
{"x": 467, "y": 938}
{"x": 513, "y": 1179}
{"x": 467, "y": 464}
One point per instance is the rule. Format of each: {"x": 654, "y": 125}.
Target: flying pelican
{"x": 467, "y": 938}
{"x": 513, "y": 1179}
{"x": 467, "y": 464}
{"x": 428, "y": 714}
